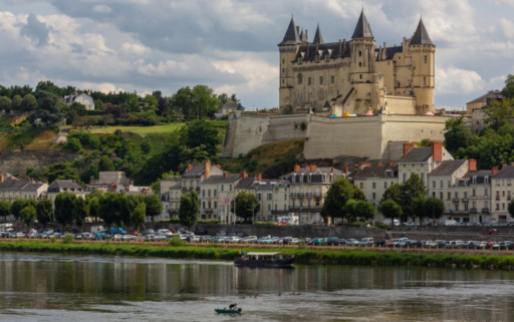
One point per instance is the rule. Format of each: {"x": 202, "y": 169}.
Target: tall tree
{"x": 338, "y": 195}
{"x": 411, "y": 189}
{"x": 28, "y": 103}
{"x": 153, "y": 205}
{"x": 5, "y": 209}
{"x": 246, "y": 206}
{"x": 457, "y": 135}
{"x": 201, "y": 134}
{"x": 44, "y": 212}
{"x": 189, "y": 209}
{"x": 434, "y": 208}
{"x": 5, "y": 103}
{"x": 391, "y": 209}
{"x": 28, "y": 214}
{"x": 138, "y": 215}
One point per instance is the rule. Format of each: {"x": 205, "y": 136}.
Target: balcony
{"x": 486, "y": 211}
{"x": 473, "y": 211}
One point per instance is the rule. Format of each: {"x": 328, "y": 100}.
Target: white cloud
{"x": 453, "y": 80}
{"x": 507, "y": 27}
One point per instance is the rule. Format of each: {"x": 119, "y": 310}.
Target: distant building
{"x": 373, "y": 179}
{"x": 483, "y": 101}
{"x": 112, "y": 181}
{"x": 421, "y": 160}
{"x": 60, "y": 186}
{"x": 307, "y": 191}
{"x": 228, "y": 108}
{"x": 502, "y": 190}
{"x": 84, "y": 99}
{"x": 13, "y": 188}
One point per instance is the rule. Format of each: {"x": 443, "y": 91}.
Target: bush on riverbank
{"x": 302, "y": 255}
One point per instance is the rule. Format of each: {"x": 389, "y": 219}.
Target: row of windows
{"x": 299, "y": 79}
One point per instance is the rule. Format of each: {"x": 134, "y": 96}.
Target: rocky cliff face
{"x": 17, "y": 162}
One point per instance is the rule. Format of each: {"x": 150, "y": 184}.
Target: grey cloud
{"x": 36, "y": 30}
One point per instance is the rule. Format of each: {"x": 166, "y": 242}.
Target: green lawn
{"x": 141, "y": 130}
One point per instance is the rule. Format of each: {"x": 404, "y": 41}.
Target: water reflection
{"x": 119, "y": 288}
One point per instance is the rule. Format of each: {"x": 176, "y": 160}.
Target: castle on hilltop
{"x": 356, "y": 76}
{"x": 347, "y": 98}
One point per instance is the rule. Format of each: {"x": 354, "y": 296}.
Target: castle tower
{"x": 423, "y": 75}
{"x": 362, "y": 70}
{"x": 288, "y": 50}
{"x": 318, "y": 38}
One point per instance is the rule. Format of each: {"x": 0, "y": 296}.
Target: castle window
{"x": 360, "y": 76}
{"x": 360, "y": 53}
{"x": 424, "y": 81}
{"x": 332, "y": 79}
{"x": 321, "y": 80}
{"x": 283, "y": 61}
{"x": 300, "y": 79}
{"x": 360, "y": 64}
{"x": 425, "y": 59}
{"x": 309, "y": 81}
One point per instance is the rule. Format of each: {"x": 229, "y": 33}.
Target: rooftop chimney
{"x": 407, "y": 146}
{"x": 207, "y": 168}
{"x": 258, "y": 176}
{"x": 494, "y": 171}
{"x": 297, "y": 168}
{"x": 243, "y": 175}
{"x": 313, "y": 167}
{"x": 437, "y": 151}
{"x": 472, "y": 165}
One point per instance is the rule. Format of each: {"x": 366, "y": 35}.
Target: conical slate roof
{"x": 318, "y": 38}
{"x": 421, "y": 36}
{"x": 291, "y": 33}
{"x": 362, "y": 29}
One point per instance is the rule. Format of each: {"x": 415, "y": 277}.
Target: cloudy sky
{"x": 230, "y": 45}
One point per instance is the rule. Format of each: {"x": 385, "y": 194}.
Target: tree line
{"x": 45, "y": 105}
{"x": 71, "y": 210}
{"x": 493, "y": 145}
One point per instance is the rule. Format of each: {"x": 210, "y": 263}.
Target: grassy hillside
{"x": 272, "y": 160}
{"x": 169, "y": 128}
{"x": 140, "y": 130}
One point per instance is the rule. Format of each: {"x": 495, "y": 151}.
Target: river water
{"x": 46, "y": 287}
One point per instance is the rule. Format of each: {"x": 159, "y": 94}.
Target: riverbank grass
{"x": 304, "y": 256}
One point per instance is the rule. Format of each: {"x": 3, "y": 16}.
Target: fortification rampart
{"x": 375, "y": 137}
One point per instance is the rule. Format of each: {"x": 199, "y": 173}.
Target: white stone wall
{"x": 328, "y": 138}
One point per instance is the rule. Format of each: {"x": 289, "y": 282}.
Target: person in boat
{"x": 233, "y": 306}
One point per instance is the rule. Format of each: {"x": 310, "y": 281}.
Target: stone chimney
{"x": 472, "y": 165}
{"x": 437, "y": 151}
{"x": 189, "y": 167}
{"x": 313, "y": 167}
{"x": 407, "y": 146}
{"x": 494, "y": 171}
{"x": 258, "y": 176}
{"x": 297, "y": 168}
{"x": 243, "y": 175}
{"x": 207, "y": 168}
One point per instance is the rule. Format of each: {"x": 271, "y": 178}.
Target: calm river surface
{"x": 94, "y": 288}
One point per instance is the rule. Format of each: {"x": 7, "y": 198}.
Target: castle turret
{"x": 288, "y": 50}
{"x": 423, "y": 75}
{"x": 362, "y": 68}
{"x": 318, "y": 38}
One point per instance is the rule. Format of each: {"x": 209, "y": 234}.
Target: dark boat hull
{"x": 278, "y": 263}
{"x": 228, "y": 311}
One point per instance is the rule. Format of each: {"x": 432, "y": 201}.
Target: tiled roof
{"x": 376, "y": 171}
{"x": 58, "y": 185}
{"x": 421, "y": 36}
{"x": 19, "y": 185}
{"x": 291, "y": 34}
{"x": 507, "y": 172}
{"x": 245, "y": 183}
{"x": 362, "y": 29}
{"x": 226, "y": 178}
{"x": 318, "y": 38}
{"x": 447, "y": 167}
{"x": 418, "y": 155}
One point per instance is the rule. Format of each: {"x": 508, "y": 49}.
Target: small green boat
{"x": 232, "y": 309}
